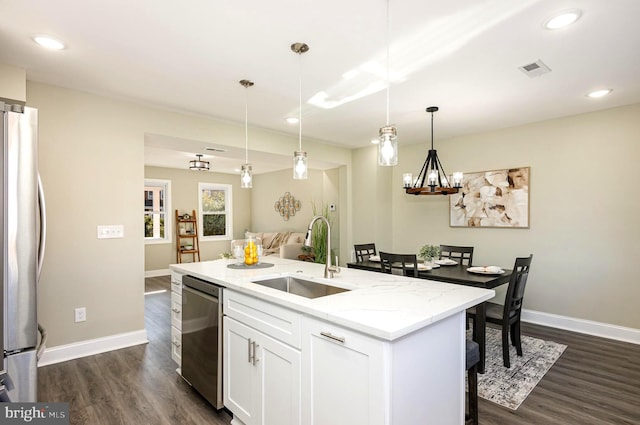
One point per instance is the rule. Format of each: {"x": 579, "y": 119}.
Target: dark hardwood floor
{"x": 132, "y": 386}
{"x": 595, "y": 382}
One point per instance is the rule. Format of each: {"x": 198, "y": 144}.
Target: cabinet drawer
{"x": 176, "y": 282}
{"x": 176, "y": 310}
{"x": 277, "y": 322}
{"x": 176, "y": 346}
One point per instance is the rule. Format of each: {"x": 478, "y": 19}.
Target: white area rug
{"x": 510, "y": 387}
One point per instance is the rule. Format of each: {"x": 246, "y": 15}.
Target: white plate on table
{"x": 446, "y": 262}
{"x": 486, "y": 270}
{"x": 375, "y": 258}
{"x": 422, "y": 266}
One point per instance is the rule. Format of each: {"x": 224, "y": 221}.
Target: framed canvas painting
{"x": 498, "y": 198}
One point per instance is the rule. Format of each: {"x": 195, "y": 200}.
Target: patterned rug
{"x": 510, "y": 387}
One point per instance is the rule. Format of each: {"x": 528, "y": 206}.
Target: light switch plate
{"x": 111, "y": 231}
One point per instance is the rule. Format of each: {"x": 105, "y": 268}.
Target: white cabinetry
{"x": 176, "y": 318}
{"x": 261, "y": 361}
{"x": 344, "y": 376}
{"x": 352, "y": 379}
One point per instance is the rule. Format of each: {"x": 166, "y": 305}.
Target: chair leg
{"x": 515, "y": 330}
{"x": 505, "y": 346}
{"x": 472, "y": 377}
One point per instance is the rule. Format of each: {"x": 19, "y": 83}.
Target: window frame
{"x": 228, "y": 212}
{"x": 168, "y": 221}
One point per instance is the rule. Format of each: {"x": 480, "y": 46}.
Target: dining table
{"x": 459, "y": 275}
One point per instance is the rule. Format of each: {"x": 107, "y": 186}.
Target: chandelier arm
{"x": 441, "y": 168}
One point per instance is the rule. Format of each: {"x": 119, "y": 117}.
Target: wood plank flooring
{"x": 595, "y": 382}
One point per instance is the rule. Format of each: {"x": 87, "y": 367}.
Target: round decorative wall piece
{"x": 287, "y": 206}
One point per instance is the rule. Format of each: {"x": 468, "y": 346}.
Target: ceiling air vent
{"x": 209, "y": 149}
{"x": 535, "y": 69}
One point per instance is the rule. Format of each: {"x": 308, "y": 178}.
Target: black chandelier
{"x": 432, "y": 179}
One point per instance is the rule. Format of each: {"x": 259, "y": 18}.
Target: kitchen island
{"x": 390, "y": 350}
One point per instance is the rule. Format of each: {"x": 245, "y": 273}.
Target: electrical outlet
{"x": 81, "y": 314}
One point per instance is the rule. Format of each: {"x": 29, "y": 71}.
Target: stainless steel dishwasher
{"x": 202, "y": 338}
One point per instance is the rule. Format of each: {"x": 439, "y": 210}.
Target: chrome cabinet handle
{"x": 255, "y": 358}
{"x": 249, "y": 347}
{"x": 176, "y": 343}
{"x": 340, "y": 339}
{"x": 175, "y": 310}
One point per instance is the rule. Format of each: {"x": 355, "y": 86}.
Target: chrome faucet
{"x": 329, "y": 270}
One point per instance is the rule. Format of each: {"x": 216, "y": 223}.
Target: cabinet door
{"x": 265, "y": 390}
{"x": 343, "y": 376}
{"x": 280, "y": 390}
{"x": 240, "y": 381}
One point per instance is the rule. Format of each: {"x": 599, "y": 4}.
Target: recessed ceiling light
{"x": 48, "y": 42}
{"x": 599, "y": 93}
{"x": 562, "y": 19}
{"x": 292, "y": 120}
{"x": 375, "y": 141}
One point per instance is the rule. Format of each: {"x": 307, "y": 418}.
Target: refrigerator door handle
{"x": 41, "y": 248}
{"x": 43, "y": 226}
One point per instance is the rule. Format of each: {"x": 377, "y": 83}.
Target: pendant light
{"x": 246, "y": 171}
{"x": 198, "y": 164}
{"x": 432, "y": 179}
{"x": 388, "y": 144}
{"x": 300, "y": 169}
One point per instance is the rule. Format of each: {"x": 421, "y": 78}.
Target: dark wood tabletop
{"x": 451, "y": 274}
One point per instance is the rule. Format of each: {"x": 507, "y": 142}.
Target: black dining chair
{"x": 472, "y": 360}
{"x": 462, "y": 254}
{"x": 408, "y": 262}
{"x": 364, "y": 251}
{"x": 508, "y": 315}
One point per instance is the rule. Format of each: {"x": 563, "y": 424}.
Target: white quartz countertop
{"x": 380, "y": 305}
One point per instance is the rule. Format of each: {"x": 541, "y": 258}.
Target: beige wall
{"x": 13, "y": 84}
{"x": 92, "y": 165}
{"x": 184, "y": 197}
{"x": 253, "y": 209}
{"x": 583, "y": 225}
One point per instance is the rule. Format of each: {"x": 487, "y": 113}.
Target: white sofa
{"x": 283, "y": 244}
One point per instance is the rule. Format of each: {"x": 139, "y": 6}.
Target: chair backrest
{"x": 364, "y": 251}
{"x": 517, "y": 284}
{"x": 408, "y": 263}
{"x": 462, "y": 254}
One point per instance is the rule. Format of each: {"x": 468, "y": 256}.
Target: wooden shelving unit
{"x": 187, "y": 236}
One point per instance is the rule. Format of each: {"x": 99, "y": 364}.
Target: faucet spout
{"x": 329, "y": 269}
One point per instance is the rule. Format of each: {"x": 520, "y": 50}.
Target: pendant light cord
{"x": 388, "y": 84}
{"x": 246, "y": 126}
{"x": 300, "y": 101}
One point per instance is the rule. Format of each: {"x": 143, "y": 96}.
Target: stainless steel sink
{"x": 299, "y": 286}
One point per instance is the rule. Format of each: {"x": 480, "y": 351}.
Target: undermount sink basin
{"x": 300, "y": 286}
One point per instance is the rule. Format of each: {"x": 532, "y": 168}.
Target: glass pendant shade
{"x": 246, "y": 176}
{"x": 388, "y": 146}
{"x": 300, "y": 165}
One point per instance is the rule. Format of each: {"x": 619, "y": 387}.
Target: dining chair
{"x": 409, "y": 263}
{"x": 364, "y": 251}
{"x": 508, "y": 315}
{"x": 463, "y": 254}
{"x": 472, "y": 359}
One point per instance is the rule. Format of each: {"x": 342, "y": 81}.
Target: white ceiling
{"x": 462, "y": 56}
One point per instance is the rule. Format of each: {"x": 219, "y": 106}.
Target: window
{"x": 214, "y": 202}
{"x": 157, "y": 223}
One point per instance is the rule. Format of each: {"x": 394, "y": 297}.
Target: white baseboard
{"x": 62, "y": 353}
{"x": 156, "y": 273}
{"x": 589, "y": 327}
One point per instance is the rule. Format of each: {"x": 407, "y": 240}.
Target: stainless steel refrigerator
{"x": 22, "y": 236}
